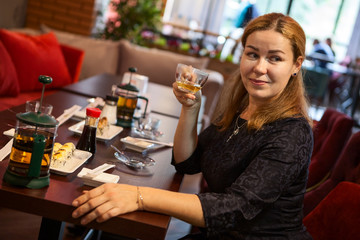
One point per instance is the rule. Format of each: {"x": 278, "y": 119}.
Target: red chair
{"x": 330, "y": 136}
{"x": 337, "y": 217}
{"x": 347, "y": 168}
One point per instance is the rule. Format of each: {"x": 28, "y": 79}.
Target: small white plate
{"x": 78, "y": 158}
{"x": 138, "y": 145}
{"x": 108, "y": 135}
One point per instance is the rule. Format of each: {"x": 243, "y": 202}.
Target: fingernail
{"x": 75, "y": 214}
{"x": 75, "y": 203}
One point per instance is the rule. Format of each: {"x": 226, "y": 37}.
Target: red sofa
{"x": 23, "y": 58}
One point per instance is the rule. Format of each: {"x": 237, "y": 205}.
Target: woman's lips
{"x": 258, "y": 82}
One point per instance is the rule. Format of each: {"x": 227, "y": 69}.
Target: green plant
{"x": 131, "y": 18}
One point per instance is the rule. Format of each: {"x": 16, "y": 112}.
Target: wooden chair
{"x": 316, "y": 82}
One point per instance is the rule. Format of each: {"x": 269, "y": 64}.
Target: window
{"x": 323, "y": 19}
{"x": 319, "y": 18}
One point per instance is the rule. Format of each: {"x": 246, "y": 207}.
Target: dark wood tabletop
{"x": 54, "y": 201}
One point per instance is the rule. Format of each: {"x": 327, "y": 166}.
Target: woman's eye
{"x": 252, "y": 55}
{"x": 274, "y": 58}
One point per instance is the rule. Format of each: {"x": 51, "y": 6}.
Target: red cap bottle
{"x": 87, "y": 141}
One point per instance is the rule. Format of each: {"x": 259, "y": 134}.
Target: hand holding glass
{"x": 190, "y": 79}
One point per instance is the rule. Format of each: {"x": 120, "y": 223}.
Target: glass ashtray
{"x": 135, "y": 161}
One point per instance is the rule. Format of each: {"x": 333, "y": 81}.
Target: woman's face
{"x": 267, "y": 65}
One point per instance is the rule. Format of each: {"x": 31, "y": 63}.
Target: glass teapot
{"x": 127, "y": 103}
{"x": 30, "y": 156}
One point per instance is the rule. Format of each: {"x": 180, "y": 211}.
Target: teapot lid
{"x": 129, "y": 87}
{"x": 38, "y": 119}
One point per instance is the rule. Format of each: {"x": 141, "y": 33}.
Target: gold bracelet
{"x": 140, "y": 199}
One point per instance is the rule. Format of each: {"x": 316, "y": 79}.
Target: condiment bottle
{"x": 110, "y": 109}
{"x": 87, "y": 141}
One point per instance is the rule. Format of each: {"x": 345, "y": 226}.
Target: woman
{"x": 254, "y": 157}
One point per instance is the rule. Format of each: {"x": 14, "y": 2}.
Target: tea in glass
{"x": 190, "y": 79}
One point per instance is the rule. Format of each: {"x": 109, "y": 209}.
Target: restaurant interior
{"x": 92, "y": 58}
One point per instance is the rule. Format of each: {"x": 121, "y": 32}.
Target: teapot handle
{"x": 37, "y": 155}
{"x": 147, "y": 101}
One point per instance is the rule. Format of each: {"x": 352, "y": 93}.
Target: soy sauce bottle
{"x": 87, "y": 141}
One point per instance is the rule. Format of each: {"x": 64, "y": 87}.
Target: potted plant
{"x": 128, "y": 18}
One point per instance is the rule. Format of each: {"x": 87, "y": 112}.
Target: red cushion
{"x": 74, "y": 58}
{"x": 8, "y": 77}
{"x": 338, "y": 215}
{"x": 36, "y": 55}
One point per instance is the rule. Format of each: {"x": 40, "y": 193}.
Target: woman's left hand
{"x": 104, "y": 202}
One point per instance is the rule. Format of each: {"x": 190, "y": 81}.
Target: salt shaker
{"x": 87, "y": 141}
{"x": 110, "y": 109}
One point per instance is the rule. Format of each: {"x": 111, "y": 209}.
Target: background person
{"x": 254, "y": 157}
{"x": 321, "y": 54}
{"x": 248, "y": 11}
{"x": 328, "y": 41}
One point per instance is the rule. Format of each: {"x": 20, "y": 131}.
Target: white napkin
{"x": 6, "y": 150}
{"x": 68, "y": 113}
{"x": 10, "y": 132}
{"x": 96, "y": 177}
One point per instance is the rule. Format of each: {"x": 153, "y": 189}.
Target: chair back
{"x": 330, "y": 135}
{"x": 316, "y": 82}
{"x": 347, "y": 168}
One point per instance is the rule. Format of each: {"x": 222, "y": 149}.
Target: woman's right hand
{"x": 188, "y": 100}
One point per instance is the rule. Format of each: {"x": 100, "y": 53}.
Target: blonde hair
{"x": 292, "y": 102}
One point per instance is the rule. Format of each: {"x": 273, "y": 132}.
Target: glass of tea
{"x": 34, "y": 106}
{"x": 190, "y": 79}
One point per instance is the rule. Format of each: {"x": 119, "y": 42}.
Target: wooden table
{"x": 54, "y": 202}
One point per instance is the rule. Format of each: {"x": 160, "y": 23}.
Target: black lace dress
{"x": 257, "y": 180}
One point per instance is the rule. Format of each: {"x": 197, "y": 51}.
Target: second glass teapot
{"x": 127, "y": 103}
